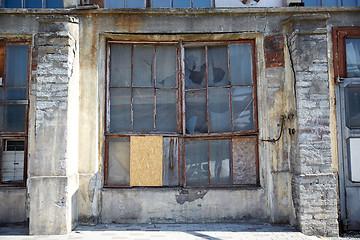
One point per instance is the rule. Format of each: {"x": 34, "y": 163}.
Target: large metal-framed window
{"x": 14, "y": 104}
{"x": 202, "y": 94}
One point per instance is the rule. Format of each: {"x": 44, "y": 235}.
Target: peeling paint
{"x": 190, "y": 195}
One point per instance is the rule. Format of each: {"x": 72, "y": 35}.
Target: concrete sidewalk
{"x": 248, "y": 231}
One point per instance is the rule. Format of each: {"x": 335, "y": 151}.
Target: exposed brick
{"x": 274, "y": 51}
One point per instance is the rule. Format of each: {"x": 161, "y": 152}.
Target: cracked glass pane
{"x": 143, "y": 64}
{"x": 243, "y": 109}
{"x": 143, "y": 107}
{"x": 196, "y": 166}
{"x": 220, "y": 162}
{"x": 196, "y": 112}
{"x": 119, "y": 161}
{"x": 353, "y": 57}
{"x": 195, "y": 67}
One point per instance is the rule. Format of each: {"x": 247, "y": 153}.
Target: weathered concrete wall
{"x": 13, "y": 205}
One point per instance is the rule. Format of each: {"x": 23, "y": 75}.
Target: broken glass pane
{"x": 219, "y": 110}
{"x": 119, "y": 161}
{"x": 196, "y": 112}
{"x": 15, "y": 93}
{"x": 143, "y": 109}
{"x": 16, "y": 65}
{"x": 353, "y": 107}
{"x": 134, "y": 3}
{"x": 195, "y": 67}
{"x": 33, "y": 3}
{"x": 166, "y": 110}
{"x": 14, "y": 118}
{"x": 220, "y": 162}
{"x": 202, "y": 3}
{"x": 182, "y": 3}
{"x": 243, "y": 109}
{"x": 353, "y": 57}
{"x": 166, "y": 69}
{"x": 120, "y": 65}
{"x": 161, "y": 3}
{"x": 143, "y": 62}
{"x": 120, "y": 109}
{"x": 241, "y": 64}
{"x": 218, "y": 66}
{"x": 196, "y": 163}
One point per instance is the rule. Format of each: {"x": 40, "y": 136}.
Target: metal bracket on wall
{"x": 283, "y": 117}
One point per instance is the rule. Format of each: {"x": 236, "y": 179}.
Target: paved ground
{"x": 248, "y": 231}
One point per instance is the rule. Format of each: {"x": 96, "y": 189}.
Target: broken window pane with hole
{"x": 196, "y": 167}
{"x": 220, "y": 162}
{"x": 243, "y": 109}
{"x": 353, "y": 57}
{"x": 241, "y": 64}
{"x": 166, "y": 112}
{"x": 166, "y": 70}
{"x": 143, "y": 109}
{"x": 119, "y": 161}
{"x": 196, "y": 112}
{"x": 120, "y": 65}
{"x": 219, "y": 110}
{"x": 120, "y": 109}
{"x": 195, "y": 67}
{"x": 353, "y": 107}
{"x": 218, "y": 66}
{"x": 143, "y": 63}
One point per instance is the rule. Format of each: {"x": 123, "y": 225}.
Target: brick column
{"x": 53, "y": 162}
{"x": 314, "y": 185}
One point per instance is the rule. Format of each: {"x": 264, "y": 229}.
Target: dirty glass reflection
{"x": 195, "y": 67}
{"x": 166, "y": 66}
{"x": 120, "y": 65}
{"x": 196, "y": 165}
{"x": 243, "y": 109}
{"x": 119, "y": 161}
{"x": 353, "y": 57}
{"x": 202, "y": 3}
{"x": 120, "y": 109}
{"x": 134, "y": 3}
{"x": 353, "y": 107}
{"x": 161, "y": 3}
{"x": 182, "y": 3}
{"x": 143, "y": 64}
{"x": 16, "y": 65}
{"x": 14, "y": 118}
{"x": 166, "y": 111}
{"x": 220, "y": 162}
{"x": 196, "y": 112}
{"x": 218, "y": 66}
{"x": 241, "y": 64}
{"x": 143, "y": 106}
{"x": 219, "y": 110}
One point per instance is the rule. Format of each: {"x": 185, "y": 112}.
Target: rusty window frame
{"x": 181, "y": 133}
{"x": 339, "y": 36}
{"x": 12, "y": 135}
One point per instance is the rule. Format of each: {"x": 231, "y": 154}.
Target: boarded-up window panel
{"x": 146, "y": 157}
{"x": 244, "y": 160}
{"x": 2, "y": 62}
{"x": 170, "y": 162}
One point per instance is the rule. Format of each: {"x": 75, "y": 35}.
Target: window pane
{"x": 218, "y": 66}
{"x": 120, "y": 109}
{"x": 119, "y": 161}
{"x": 166, "y": 110}
{"x": 310, "y": 3}
{"x": 220, "y": 162}
{"x": 354, "y": 149}
{"x": 219, "y": 110}
{"x": 143, "y": 66}
{"x": 353, "y": 107}
{"x": 166, "y": 62}
{"x": 202, "y": 3}
{"x": 196, "y": 166}
{"x": 54, "y": 4}
{"x": 353, "y": 57}
{"x": 196, "y": 112}
{"x": 195, "y": 67}
{"x": 16, "y": 65}
{"x": 351, "y": 3}
{"x": 143, "y": 105}
{"x": 12, "y": 161}
{"x": 12, "y": 4}
{"x": 241, "y": 64}
{"x": 114, "y": 3}
{"x": 120, "y": 65}
{"x": 134, "y": 3}
{"x": 182, "y": 3}
{"x": 161, "y": 3}
{"x": 243, "y": 109}
{"x": 33, "y": 3}
{"x": 330, "y": 3}
{"x": 15, "y": 93}
{"x": 14, "y": 118}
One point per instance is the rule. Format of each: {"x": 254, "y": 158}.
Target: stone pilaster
{"x": 53, "y": 162}
{"x": 314, "y": 184}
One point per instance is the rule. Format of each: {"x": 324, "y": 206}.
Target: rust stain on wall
{"x": 146, "y": 160}
{"x": 130, "y": 23}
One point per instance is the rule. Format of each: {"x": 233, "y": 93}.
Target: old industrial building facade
{"x": 180, "y": 112}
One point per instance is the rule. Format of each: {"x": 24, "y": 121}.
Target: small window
{"x": 13, "y": 112}
{"x": 33, "y": 3}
